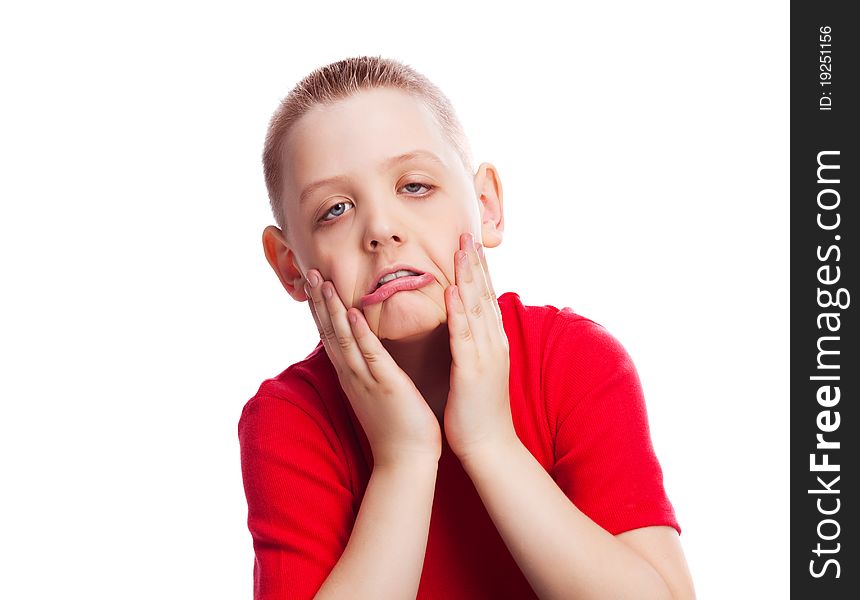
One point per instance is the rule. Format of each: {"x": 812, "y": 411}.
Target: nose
{"x": 383, "y": 230}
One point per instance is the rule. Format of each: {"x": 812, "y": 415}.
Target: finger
{"x": 492, "y": 297}
{"x": 377, "y": 359}
{"x": 323, "y": 319}
{"x": 479, "y": 267}
{"x": 311, "y": 304}
{"x": 343, "y": 337}
{"x": 482, "y": 255}
{"x": 472, "y": 288}
{"x": 482, "y": 276}
{"x": 462, "y": 342}
{"x": 317, "y": 304}
{"x": 313, "y": 311}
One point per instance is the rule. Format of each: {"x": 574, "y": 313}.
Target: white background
{"x": 643, "y": 150}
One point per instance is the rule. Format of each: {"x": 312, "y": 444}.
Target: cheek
{"x": 445, "y": 246}
{"x": 347, "y": 279}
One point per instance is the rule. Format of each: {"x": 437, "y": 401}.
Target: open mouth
{"x": 397, "y": 279}
{"x": 396, "y": 275}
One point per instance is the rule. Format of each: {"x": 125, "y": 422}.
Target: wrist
{"x": 407, "y": 461}
{"x": 478, "y": 454}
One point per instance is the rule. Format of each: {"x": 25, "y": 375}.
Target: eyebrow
{"x": 386, "y": 164}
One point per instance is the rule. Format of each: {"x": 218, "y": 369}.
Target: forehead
{"x": 357, "y": 135}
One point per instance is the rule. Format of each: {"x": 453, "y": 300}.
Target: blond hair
{"x": 340, "y": 80}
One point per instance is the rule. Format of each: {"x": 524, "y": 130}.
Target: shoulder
{"x": 300, "y": 397}
{"x": 561, "y": 335}
{"x": 574, "y": 361}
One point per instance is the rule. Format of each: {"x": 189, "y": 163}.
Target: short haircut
{"x": 340, "y": 80}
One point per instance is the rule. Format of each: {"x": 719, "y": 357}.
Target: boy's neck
{"x": 427, "y": 361}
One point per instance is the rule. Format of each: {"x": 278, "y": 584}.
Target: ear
{"x": 488, "y": 187}
{"x": 282, "y": 259}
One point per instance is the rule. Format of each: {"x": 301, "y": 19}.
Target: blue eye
{"x": 336, "y": 210}
{"x": 420, "y": 185}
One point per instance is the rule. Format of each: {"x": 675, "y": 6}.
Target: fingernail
{"x": 352, "y": 318}
{"x": 327, "y": 291}
{"x": 480, "y": 250}
{"x": 313, "y": 279}
{"x": 469, "y": 240}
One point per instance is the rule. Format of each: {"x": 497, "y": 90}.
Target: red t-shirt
{"x": 576, "y": 403}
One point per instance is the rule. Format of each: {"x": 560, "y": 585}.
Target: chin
{"x": 409, "y": 318}
{"x": 408, "y": 334}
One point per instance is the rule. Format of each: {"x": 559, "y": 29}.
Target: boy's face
{"x": 392, "y": 205}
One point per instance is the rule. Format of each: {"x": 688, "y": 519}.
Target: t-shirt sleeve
{"x": 604, "y": 459}
{"x": 300, "y": 502}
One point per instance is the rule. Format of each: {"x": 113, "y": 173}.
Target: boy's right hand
{"x": 398, "y": 422}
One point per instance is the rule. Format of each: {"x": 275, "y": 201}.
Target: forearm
{"x": 385, "y": 553}
{"x": 562, "y": 552}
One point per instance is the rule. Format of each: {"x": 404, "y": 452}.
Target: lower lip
{"x": 412, "y": 282}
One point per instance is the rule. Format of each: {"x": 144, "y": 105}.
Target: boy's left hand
{"x": 478, "y": 410}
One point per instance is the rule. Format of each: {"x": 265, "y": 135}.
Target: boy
{"x": 441, "y": 441}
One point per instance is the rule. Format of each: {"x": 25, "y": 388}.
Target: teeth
{"x": 392, "y": 276}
